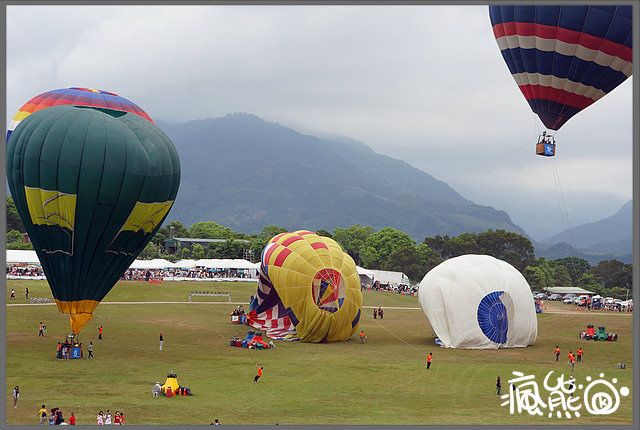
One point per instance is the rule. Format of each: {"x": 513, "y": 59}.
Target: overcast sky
{"x": 424, "y": 84}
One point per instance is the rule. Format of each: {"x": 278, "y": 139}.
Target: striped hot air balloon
{"x": 308, "y": 290}
{"x": 564, "y": 58}
{"x": 74, "y": 96}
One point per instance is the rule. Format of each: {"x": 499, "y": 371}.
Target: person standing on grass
{"x": 42, "y": 413}
{"x": 26, "y": 293}
{"x": 72, "y": 419}
{"x": 572, "y": 359}
{"x": 381, "y": 313}
{"x": 13, "y": 294}
{"x": 579, "y": 353}
{"x": 41, "y": 329}
{"x": 498, "y": 386}
{"x": 100, "y": 332}
{"x": 90, "y": 349}
{"x": 107, "y": 418}
{"x": 362, "y": 336}
{"x": 161, "y": 341}
{"x": 255, "y": 378}
{"x": 557, "y": 352}
{"x": 16, "y": 394}
{"x": 375, "y": 313}
{"x": 572, "y": 385}
{"x": 100, "y": 418}
{"x": 429, "y": 358}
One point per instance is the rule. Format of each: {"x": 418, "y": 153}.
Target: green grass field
{"x": 383, "y": 381}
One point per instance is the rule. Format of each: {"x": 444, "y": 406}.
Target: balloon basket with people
{"x": 70, "y": 348}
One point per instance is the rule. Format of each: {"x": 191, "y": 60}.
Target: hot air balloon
{"x": 564, "y": 58}
{"x": 92, "y": 186}
{"x": 75, "y": 96}
{"x": 478, "y": 302}
{"x": 308, "y": 290}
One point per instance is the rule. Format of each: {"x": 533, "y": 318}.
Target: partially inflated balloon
{"x": 74, "y": 96}
{"x": 478, "y": 302}
{"x": 308, "y": 290}
{"x": 92, "y": 187}
{"x": 564, "y": 58}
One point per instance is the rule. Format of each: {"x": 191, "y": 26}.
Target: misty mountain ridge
{"x": 606, "y": 239}
{"x": 245, "y": 173}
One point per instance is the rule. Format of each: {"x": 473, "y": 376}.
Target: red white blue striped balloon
{"x": 564, "y": 58}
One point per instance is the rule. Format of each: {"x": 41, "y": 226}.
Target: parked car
{"x": 568, "y": 300}
{"x": 570, "y": 296}
{"x": 555, "y": 297}
{"x": 541, "y": 296}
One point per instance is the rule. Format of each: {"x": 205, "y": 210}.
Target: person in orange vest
{"x": 572, "y": 359}
{"x": 41, "y": 329}
{"x": 429, "y": 358}
{"x": 557, "y": 351}
{"x": 59, "y": 350}
{"x": 100, "y": 332}
{"x": 362, "y": 336}
{"x": 579, "y": 353}
{"x": 255, "y": 378}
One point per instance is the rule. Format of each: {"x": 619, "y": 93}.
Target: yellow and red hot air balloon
{"x": 308, "y": 290}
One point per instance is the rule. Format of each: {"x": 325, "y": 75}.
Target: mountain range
{"x": 246, "y": 173}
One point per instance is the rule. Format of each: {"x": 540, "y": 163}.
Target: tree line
{"x": 389, "y": 249}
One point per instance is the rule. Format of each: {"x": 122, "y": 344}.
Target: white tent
{"x": 479, "y": 302}
{"x": 365, "y": 274}
{"x": 17, "y": 256}
{"x": 184, "y": 264}
{"x": 233, "y": 263}
{"x": 389, "y": 277}
{"x": 156, "y": 263}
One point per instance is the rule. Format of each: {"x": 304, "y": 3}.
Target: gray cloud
{"x": 425, "y": 84}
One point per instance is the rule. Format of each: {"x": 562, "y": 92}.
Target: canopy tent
{"x": 156, "y": 263}
{"x": 366, "y": 275}
{"x": 15, "y": 256}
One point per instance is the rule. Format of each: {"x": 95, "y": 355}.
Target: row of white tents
{"x": 367, "y": 276}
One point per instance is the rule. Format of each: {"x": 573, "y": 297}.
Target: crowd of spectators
{"x": 195, "y": 273}
{"x": 19, "y": 270}
{"x": 403, "y": 289}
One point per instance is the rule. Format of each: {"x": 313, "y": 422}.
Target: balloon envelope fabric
{"x": 308, "y": 290}
{"x": 92, "y": 187}
{"x": 564, "y": 58}
{"x": 75, "y": 96}
{"x": 478, "y": 302}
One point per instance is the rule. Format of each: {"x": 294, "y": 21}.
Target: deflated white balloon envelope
{"x": 479, "y": 302}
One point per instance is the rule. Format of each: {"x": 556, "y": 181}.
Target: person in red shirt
{"x": 72, "y": 419}
{"x": 557, "y": 351}
{"x": 429, "y": 358}
{"x": 100, "y": 333}
{"x": 255, "y": 379}
{"x": 362, "y": 336}
{"x": 579, "y": 353}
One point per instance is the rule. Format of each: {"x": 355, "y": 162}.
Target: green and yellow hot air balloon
{"x": 92, "y": 186}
